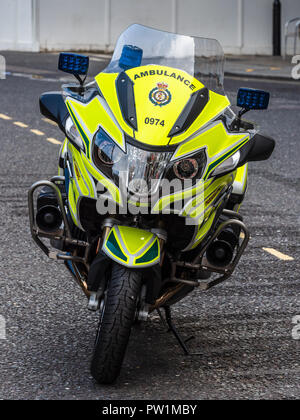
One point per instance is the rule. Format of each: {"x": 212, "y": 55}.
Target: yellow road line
{"x": 20, "y": 124}
{"x": 49, "y": 121}
{"x": 278, "y": 254}
{"x": 37, "y": 132}
{"x": 5, "y": 117}
{"x": 53, "y": 141}
{"x": 34, "y": 131}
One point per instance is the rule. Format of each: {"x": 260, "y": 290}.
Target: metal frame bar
{"x": 65, "y": 234}
{"x": 225, "y": 271}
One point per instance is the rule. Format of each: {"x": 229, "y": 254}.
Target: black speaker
{"x": 49, "y": 218}
{"x": 219, "y": 253}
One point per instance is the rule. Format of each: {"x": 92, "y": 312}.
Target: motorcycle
{"x": 152, "y": 173}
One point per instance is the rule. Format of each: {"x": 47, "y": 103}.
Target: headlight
{"x": 106, "y": 152}
{"x": 186, "y": 169}
{"x": 189, "y": 168}
{"x": 228, "y": 164}
{"x": 140, "y": 171}
{"x": 73, "y": 133}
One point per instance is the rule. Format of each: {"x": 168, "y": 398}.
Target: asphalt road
{"x": 243, "y": 327}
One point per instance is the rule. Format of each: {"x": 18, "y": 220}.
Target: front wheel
{"x": 117, "y": 318}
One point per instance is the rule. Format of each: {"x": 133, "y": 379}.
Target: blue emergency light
{"x": 73, "y": 63}
{"x": 252, "y": 99}
{"x": 131, "y": 57}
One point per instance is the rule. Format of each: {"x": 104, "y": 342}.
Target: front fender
{"x": 132, "y": 247}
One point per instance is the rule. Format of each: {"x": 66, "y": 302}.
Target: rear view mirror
{"x": 252, "y": 99}
{"x": 53, "y": 107}
{"x": 73, "y": 63}
{"x": 262, "y": 148}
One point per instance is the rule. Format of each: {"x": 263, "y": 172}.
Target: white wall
{"x": 17, "y": 25}
{"x": 242, "y": 26}
{"x": 156, "y": 13}
{"x": 72, "y": 24}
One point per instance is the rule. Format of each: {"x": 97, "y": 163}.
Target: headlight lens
{"x": 145, "y": 169}
{"x": 189, "y": 168}
{"x": 228, "y": 164}
{"x": 186, "y": 169}
{"x": 106, "y": 152}
{"x": 140, "y": 170}
{"x": 73, "y": 133}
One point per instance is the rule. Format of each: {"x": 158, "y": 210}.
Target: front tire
{"x": 116, "y": 320}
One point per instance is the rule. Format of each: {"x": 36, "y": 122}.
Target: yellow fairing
{"x": 218, "y": 142}
{"x": 88, "y": 117}
{"x": 240, "y": 181}
{"x": 107, "y": 84}
{"x": 83, "y": 179}
{"x": 206, "y": 197}
{"x": 155, "y": 120}
{"x": 106, "y": 113}
{"x": 216, "y": 105}
{"x": 72, "y": 199}
{"x": 215, "y": 139}
{"x": 201, "y": 209}
{"x": 210, "y": 207}
{"x": 107, "y": 183}
{"x": 180, "y": 86}
{"x": 132, "y": 247}
{"x": 204, "y": 228}
{"x": 80, "y": 182}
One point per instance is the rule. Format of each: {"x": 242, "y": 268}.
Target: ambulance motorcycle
{"x": 152, "y": 173}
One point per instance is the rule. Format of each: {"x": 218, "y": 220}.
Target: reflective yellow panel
{"x": 107, "y": 85}
{"x": 161, "y": 94}
{"x": 93, "y": 114}
{"x": 215, "y": 139}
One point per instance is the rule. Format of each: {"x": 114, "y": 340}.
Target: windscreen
{"x": 201, "y": 58}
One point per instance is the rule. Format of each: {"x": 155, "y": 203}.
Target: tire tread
{"x": 118, "y": 318}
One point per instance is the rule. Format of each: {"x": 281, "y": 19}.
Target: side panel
{"x": 81, "y": 184}
{"x": 94, "y": 114}
{"x": 202, "y": 209}
{"x": 216, "y": 105}
{"x": 215, "y": 139}
{"x": 218, "y": 142}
